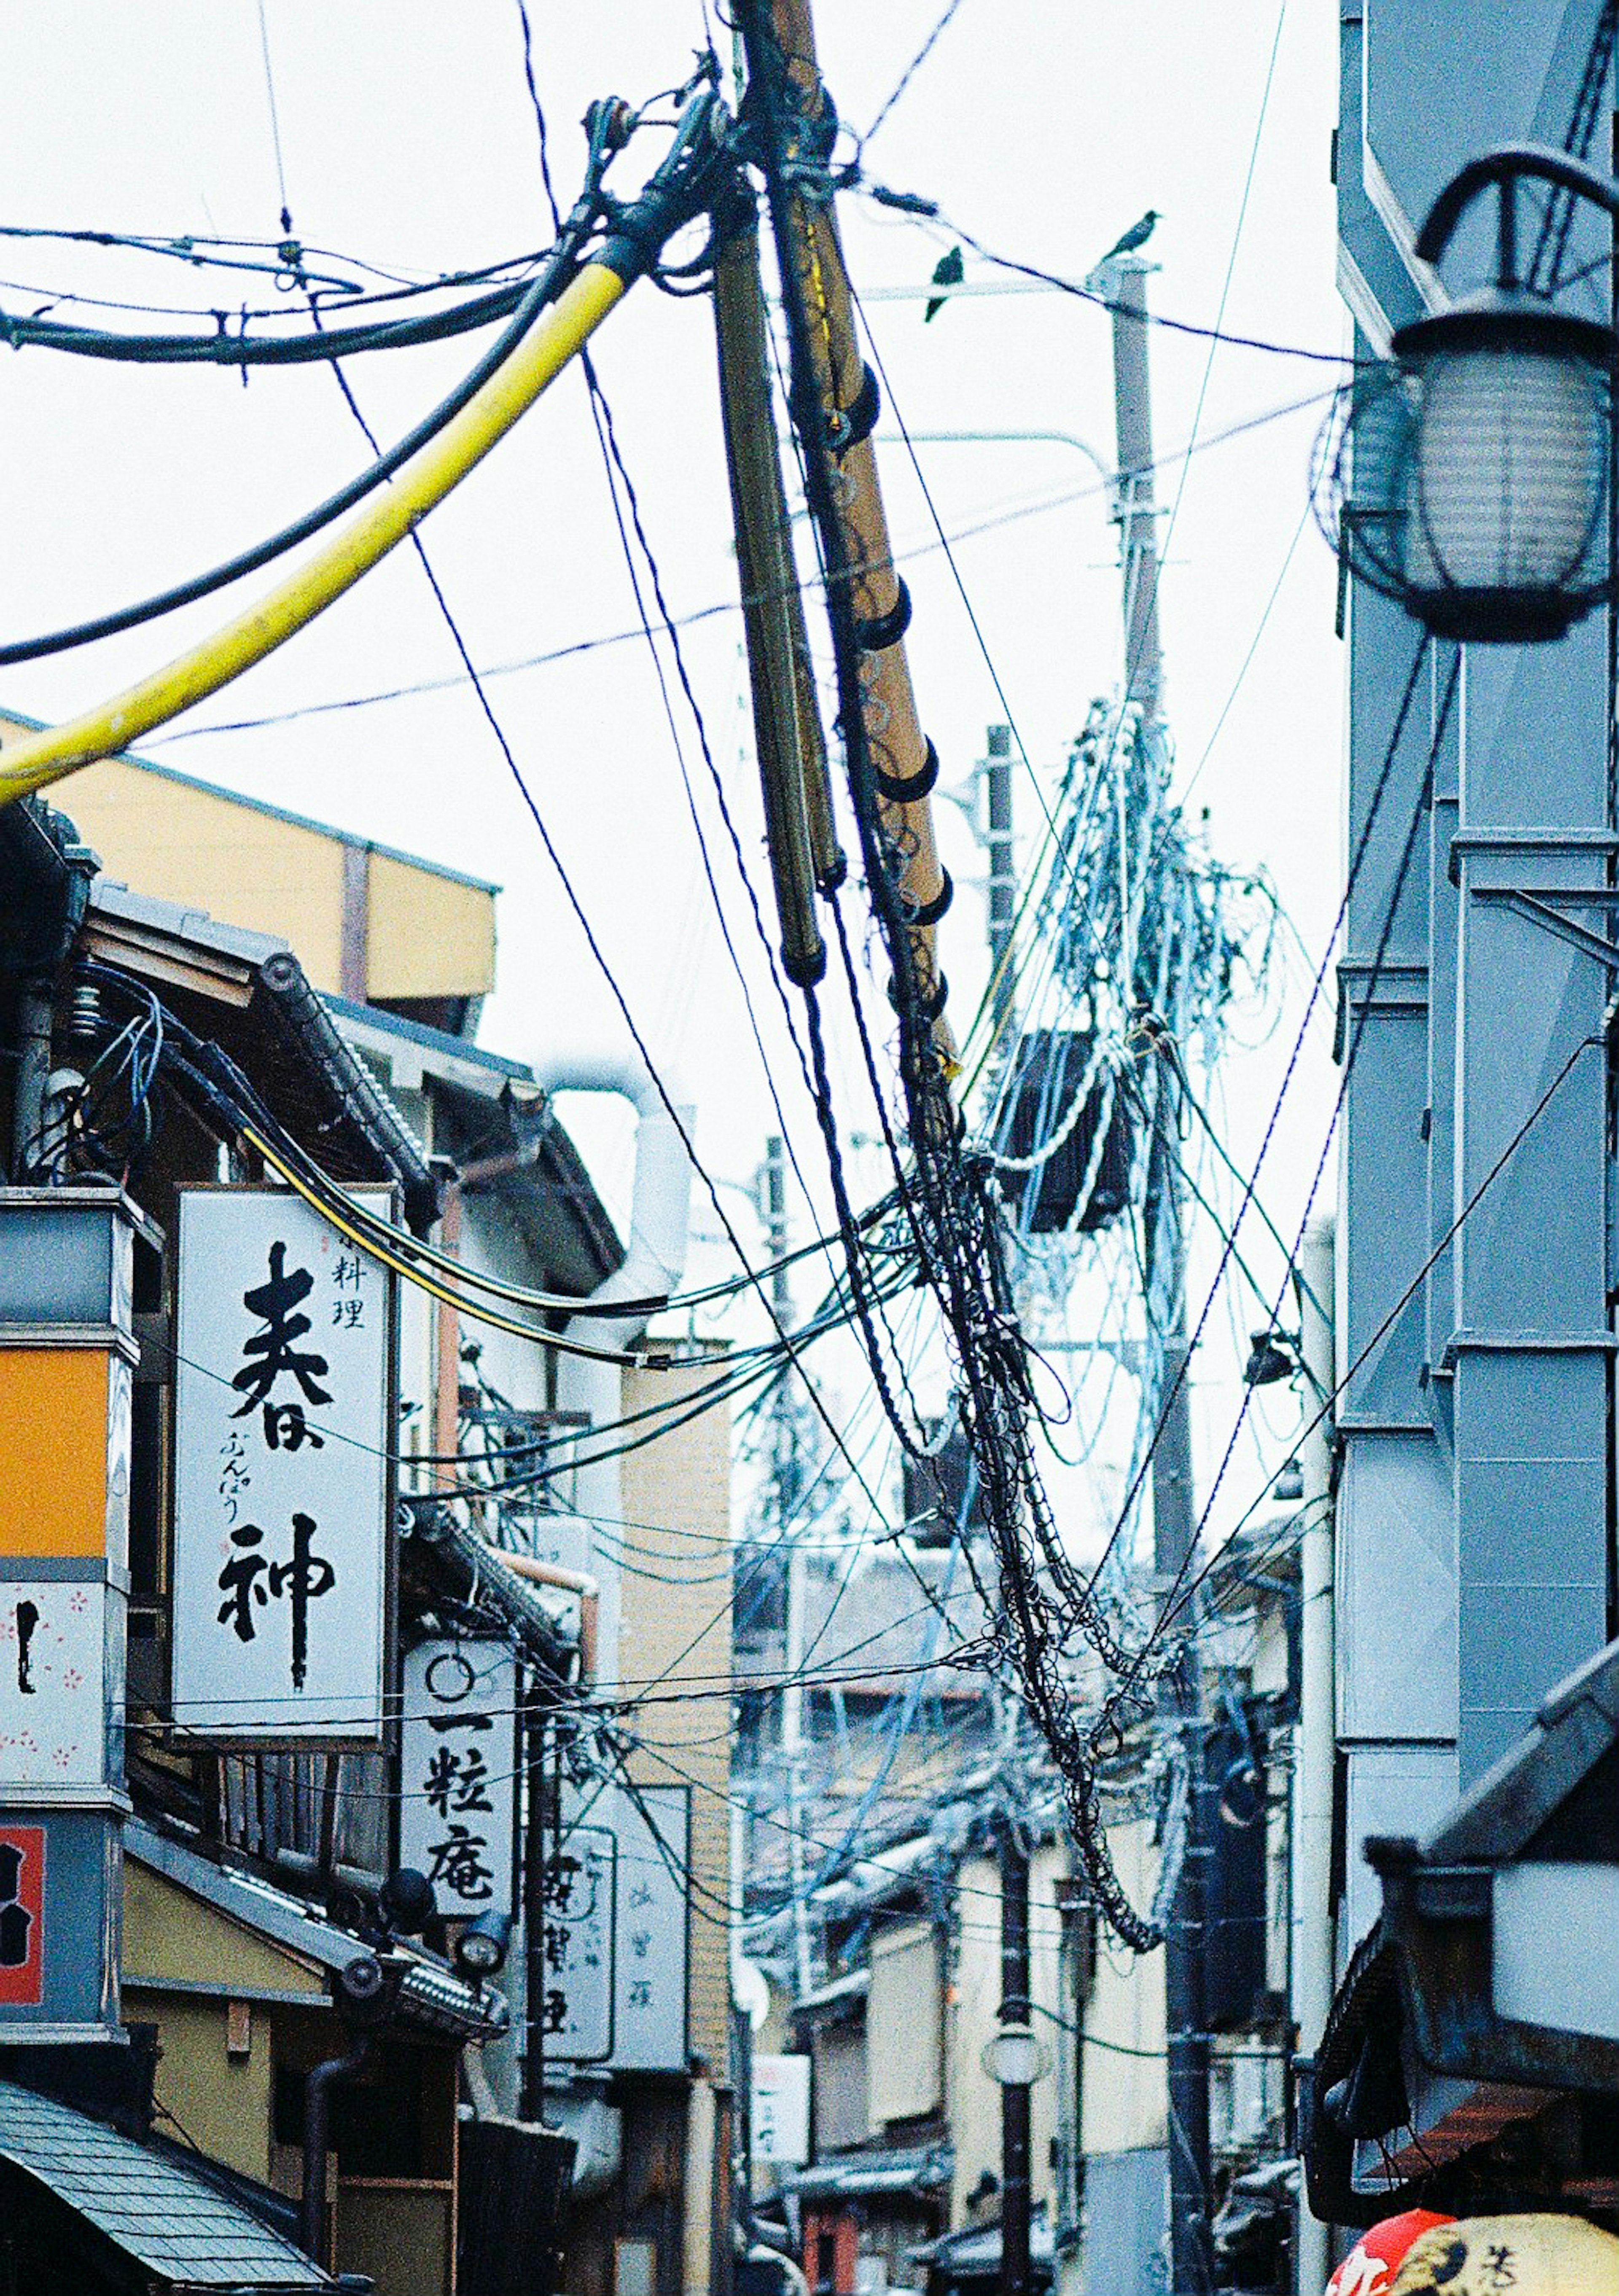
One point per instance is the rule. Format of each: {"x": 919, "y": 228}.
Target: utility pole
{"x": 1311, "y": 1967}
{"x": 1016, "y": 2010}
{"x": 1173, "y": 1515}
{"x": 1003, "y": 876}
{"x": 785, "y": 1479}
{"x": 533, "y": 2104}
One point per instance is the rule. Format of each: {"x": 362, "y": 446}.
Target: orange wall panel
{"x": 53, "y": 1432}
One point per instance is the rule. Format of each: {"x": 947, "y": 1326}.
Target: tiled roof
{"x": 170, "y": 2221}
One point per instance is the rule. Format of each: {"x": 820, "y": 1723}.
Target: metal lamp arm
{"x": 1503, "y": 169}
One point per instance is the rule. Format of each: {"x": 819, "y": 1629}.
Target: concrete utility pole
{"x": 1003, "y": 873}
{"x": 1173, "y": 1515}
{"x": 784, "y": 1480}
{"x": 1311, "y": 1965}
{"x": 1015, "y": 2114}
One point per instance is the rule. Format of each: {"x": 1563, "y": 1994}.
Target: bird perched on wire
{"x": 947, "y": 272}
{"x": 1138, "y": 235}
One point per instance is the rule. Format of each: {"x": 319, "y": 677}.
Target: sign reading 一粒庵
{"x": 283, "y": 1426}
{"x": 458, "y": 1772}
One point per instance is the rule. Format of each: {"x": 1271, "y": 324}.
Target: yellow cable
{"x": 440, "y": 1292}
{"x": 38, "y": 759}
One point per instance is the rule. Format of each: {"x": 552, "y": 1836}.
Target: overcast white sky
{"x": 408, "y": 139}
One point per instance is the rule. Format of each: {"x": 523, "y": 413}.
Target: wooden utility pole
{"x": 780, "y": 44}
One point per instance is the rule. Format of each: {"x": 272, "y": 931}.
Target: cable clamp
{"x": 853, "y": 424}
{"x": 929, "y": 912}
{"x": 909, "y": 788}
{"x": 880, "y": 631}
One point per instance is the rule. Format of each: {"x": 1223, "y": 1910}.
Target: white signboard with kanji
{"x": 651, "y": 1828}
{"x": 284, "y": 1420}
{"x": 780, "y": 2110}
{"x": 458, "y": 1761}
{"x": 55, "y": 1689}
{"x": 577, "y": 2008}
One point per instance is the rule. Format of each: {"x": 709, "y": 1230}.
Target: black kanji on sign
{"x": 457, "y": 1862}
{"x": 457, "y": 1781}
{"x": 271, "y": 1351}
{"x": 307, "y": 1576}
{"x": 288, "y": 1429}
{"x": 249, "y": 1579}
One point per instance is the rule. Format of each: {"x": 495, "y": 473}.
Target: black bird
{"x": 947, "y": 272}
{"x": 1138, "y": 235}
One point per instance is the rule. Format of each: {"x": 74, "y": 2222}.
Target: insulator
{"x": 84, "y": 1023}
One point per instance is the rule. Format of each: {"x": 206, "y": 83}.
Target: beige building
{"x": 403, "y": 954}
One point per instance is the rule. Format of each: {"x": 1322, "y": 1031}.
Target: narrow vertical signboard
{"x": 283, "y": 1432}
{"x": 458, "y": 1772}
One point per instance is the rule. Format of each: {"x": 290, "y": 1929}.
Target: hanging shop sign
{"x": 285, "y": 1424}
{"x": 651, "y": 1829}
{"x": 576, "y": 2009}
{"x": 458, "y": 1766}
{"x": 60, "y": 1894}
{"x": 61, "y": 1655}
{"x": 779, "y": 2102}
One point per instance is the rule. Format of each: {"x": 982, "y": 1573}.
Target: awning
{"x": 431, "y": 1994}
{"x": 918, "y": 2168}
{"x": 975, "y": 2253}
{"x": 160, "y": 2214}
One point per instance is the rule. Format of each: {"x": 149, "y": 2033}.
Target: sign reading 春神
{"x": 458, "y": 1741}
{"x": 284, "y": 1423}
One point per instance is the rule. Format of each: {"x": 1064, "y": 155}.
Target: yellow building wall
{"x": 975, "y": 2016}
{"x": 676, "y": 1493}
{"x": 217, "y": 2101}
{"x": 428, "y": 935}
{"x": 172, "y": 1938}
{"x": 219, "y": 2098}
{"x": 200, "y": 848}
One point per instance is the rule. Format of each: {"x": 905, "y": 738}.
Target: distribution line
{"x": 726, "y": 606}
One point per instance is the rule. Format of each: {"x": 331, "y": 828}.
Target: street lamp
{"x": 1472, "y": 472}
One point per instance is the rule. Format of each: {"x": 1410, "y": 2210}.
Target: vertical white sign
{"x": 458, "y": 1762}
{"x": 653, "y": 1829}
{"x": 780, "y": 2110}
{"x": 283, "y": 1426}
{"x": 577, "y": 2008}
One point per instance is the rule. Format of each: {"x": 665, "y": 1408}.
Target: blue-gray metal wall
{"x": 1473, "y": 1541}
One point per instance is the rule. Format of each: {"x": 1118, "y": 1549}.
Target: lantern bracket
{"x": 1503, "y": 170}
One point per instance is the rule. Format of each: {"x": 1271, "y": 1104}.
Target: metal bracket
{"x": 1544, "y": 908}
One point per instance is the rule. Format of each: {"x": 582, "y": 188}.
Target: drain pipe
{"x": 317, "y": 2142}
{"x": 655, "y": 1256}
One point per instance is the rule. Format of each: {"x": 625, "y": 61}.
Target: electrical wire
{"x": 547, "y": 285}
